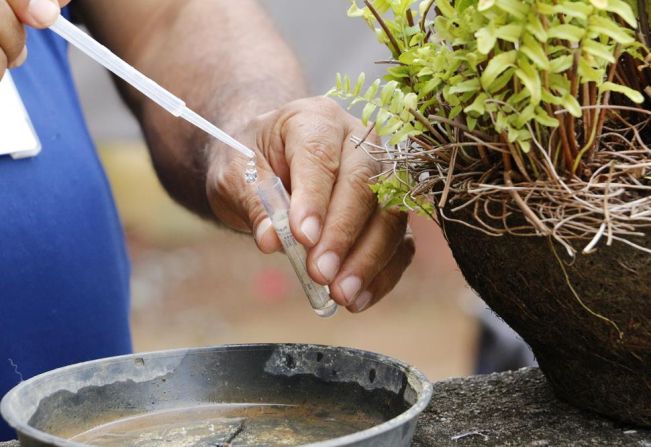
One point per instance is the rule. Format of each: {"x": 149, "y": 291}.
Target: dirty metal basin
{"x": 238, "y": 395}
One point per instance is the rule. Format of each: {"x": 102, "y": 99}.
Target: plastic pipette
{"x": 142, "y": 83}
{"x": 276, "y": 202}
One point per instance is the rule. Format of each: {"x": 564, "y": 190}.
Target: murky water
{"x": 242, "y": 425}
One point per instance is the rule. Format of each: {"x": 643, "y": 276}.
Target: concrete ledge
{"x": 511, "y": 409}
{"x": 514, "y": 409}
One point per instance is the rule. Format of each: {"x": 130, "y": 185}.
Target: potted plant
{"x": 526, "y": 124}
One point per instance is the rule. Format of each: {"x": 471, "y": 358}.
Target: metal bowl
{"x": 271, "y": 394}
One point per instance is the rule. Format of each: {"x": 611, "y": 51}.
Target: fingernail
{"x": 328, "y": 265}
{"x": 350, "y": 286}
{"x": 262, "y": 229}
{"x": 20, "y": 60}
{"x": 44, "y": 12}
{"x": 311, "y": 229}
{"x": 362, "y": 302}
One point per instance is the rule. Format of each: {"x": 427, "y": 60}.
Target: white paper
{"x": 17, "y": 135}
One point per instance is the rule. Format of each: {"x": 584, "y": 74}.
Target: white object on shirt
{"x": 17, "y": 135}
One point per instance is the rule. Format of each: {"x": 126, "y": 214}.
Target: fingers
{"x": 35, "y": 13}
{"x": 15, "y": 13}
{"x": 313, "y": 145}
{"x": 12, "y": 36}
{"x": 235, "y": 202}
{"x": 371, "y": 253}
{"x": 3, "y": 63}
{"x": 387, "y": 279}
{"x": 351, "y": 206}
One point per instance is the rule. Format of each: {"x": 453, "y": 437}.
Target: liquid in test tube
{"x": 276, "y": 202}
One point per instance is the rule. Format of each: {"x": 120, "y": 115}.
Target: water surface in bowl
{"x": 245, "y": 425}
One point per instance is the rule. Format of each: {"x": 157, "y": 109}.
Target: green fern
{"x": 497, "y": 65}
{"x": 386, "y": 105}
{"x": 394, "y": 191}
{"x": 512, "y": 70}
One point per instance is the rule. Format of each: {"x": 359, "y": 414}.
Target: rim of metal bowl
{"x": 424, "y": 395}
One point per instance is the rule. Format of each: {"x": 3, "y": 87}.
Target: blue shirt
{"x": 64, "y": 272}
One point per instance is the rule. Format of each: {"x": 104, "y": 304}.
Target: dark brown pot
{"x": 583, "y": 356}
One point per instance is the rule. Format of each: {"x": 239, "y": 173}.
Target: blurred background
{"x": 194, "y": 284}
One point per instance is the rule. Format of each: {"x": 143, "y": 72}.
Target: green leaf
{"x": 623, "y": 10}
{"x": 387, "y": 92}
{"x": 381, "y": 119}
{"x": 446, "y": 8}
{"x": 347, "y": 86}
{"x": 545, "y": 8}
{"x": 404, "y": 133}
{"x": 470, "y": 85}
{"x": 496, "y": 66}
{"x": 456, "y": 110}
{"x": 567, "y": 32}
{"x": 471, "y": 122}
{"x": 603, "y": 25}
{"x": 392, "y": 126}
{"x": 501, "y": 81}
{"x": 372, "y": 90}
{"x": 510, "y": 33}
{"x": 531, "y": 80}
{"x": 561, "y": 64}
{"x": 486, "y": 39}
{"x": 574, "y": 9}
{"x": 525, "y": 146}
{"x": 524, "y": 116}
{"x": 551, "y": 99}
{"x": 394, "y": 191}
{"x": 361, "y": 80}
{"x": 599, "y": 50}
{"x": 542, "y": 117}
{"x": 535, "y": 27}
{"x": 410, "y": 101}
{"x": 534, "y": 51}
{"x": 514, "y": 134}
{"x": 630, "y": 93}
{"x": 599, "y": 4}
{"x": 485, "y": 5}
{"x": 369, "y": 108}
{"x": 478, "y": 106}
{"x": 588, "y": 73}
{"x": 397, "y": 104}
{"x": 572, "y": 105}
{"x": 516, "y": 8}
{"x": 356, "y": 11}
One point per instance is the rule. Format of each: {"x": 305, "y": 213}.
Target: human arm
{"x": 230, "y": 65}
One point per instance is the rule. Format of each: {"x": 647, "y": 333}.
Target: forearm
{"x": 224, "y": 58}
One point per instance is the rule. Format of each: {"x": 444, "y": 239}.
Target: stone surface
{"x": 511, "y": 409}
{"x": 514, "y": 409}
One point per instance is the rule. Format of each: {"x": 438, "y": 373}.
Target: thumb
{"x": 236, "y": 203}
{"x": 36, "y": 13}
{"x": 263, "y": 228}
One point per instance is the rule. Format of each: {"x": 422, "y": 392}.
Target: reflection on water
{"x": 217, "y": 425}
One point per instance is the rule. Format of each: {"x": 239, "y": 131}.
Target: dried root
{"x": 608, "y": 200}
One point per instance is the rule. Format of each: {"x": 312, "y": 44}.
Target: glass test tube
{"x": 276, "y": 201}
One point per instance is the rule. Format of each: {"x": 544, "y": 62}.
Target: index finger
{"x": 313, "y": 146}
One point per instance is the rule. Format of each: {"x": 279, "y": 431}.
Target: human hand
{"x": 354, "y": 246}
{"x": 13, "y": 15}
